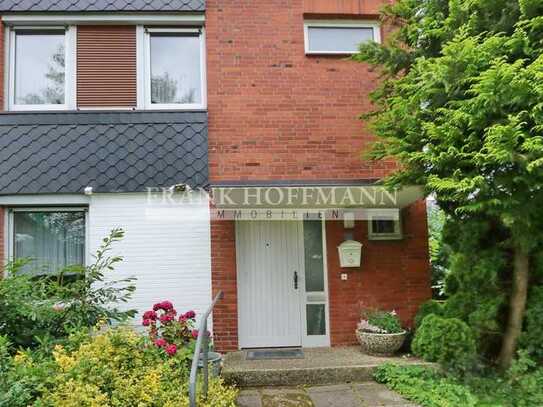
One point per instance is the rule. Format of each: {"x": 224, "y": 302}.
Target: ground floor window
{"x": 52, "y": 239}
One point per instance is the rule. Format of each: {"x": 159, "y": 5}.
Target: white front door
{"x": 282, "y": 293}
{"x": 268, "y": 298}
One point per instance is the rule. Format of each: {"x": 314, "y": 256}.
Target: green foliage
{"x": 532, "y": 337}
{"x": 378, "y": 321}
{"x": 40, "y": 311}
{"x": 448, "y": 341}
{"x": 475, "y": 286}
{"x": 429, "y": 307}
{"x": 424, "y": 386}
{"x": 386, "y": 321}
{"x": 521, "y": 386}
{"x": 25, "y": 313}
{"x": 115, "y": 368}
{"x": 24, "y": 376}
{"x": 93, "y": 299}
{"x": 460, "y": 109}
{"x": 439, "y": 252}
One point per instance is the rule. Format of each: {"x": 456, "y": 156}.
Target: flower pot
{"x": 215, "y": 363}
{"x": 380, "y": 344}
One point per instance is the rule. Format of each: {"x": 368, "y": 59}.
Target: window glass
{"x": 314, "y": 266}
{"x": 175, "y": 69}
{"x": 383, "y": 226}
{"x": 40, "y": 60}
{"x": 316, "y": 319}
{"x": 338, "y": 39}
{"x": 52, "y": 240}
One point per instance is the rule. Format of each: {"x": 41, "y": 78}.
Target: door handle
{"x": 295, "y": 280}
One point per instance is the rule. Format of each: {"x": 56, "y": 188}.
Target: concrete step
{"x": 320, "y": 366}
{"x": 295, "y": 377}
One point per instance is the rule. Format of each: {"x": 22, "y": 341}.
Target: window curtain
{"x": 52, "y": 240}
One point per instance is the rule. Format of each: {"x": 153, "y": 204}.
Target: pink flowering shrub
{"x": 169, "y": 331}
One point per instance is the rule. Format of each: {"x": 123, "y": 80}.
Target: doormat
{"x": 267, "y": 354}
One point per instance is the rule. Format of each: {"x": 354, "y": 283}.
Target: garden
{"x": 461, "y": 375}
{"x": 459, "y": 109}
{"x": 64, "y": 342}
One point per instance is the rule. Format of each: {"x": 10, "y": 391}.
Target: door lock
{"x": 295, "y": 280}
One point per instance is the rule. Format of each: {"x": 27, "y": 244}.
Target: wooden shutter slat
{"x": 106, "y": 66}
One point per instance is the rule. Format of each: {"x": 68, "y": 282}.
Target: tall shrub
{"x": 459, "y": 108}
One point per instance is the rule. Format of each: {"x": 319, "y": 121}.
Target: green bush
{"x": 23, "y": 377}
{"x": 521, "y": 386}
{"x": 424, "y": 386}
{"x": 448, "y": 341}
{"x": 531, "y": 339}
{"x": 116, "y": 368}
{"x": 429, "y": 307}
{"x": 36, "y": 311}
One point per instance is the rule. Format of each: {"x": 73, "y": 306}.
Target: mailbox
{"x": 350, "y": 253}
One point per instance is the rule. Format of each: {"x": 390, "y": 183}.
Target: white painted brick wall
{"x": 167, "y": 247}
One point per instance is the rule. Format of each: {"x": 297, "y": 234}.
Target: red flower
{"x": 166, "y": 318}
{"x": 164, "y": 305}
{"x": 194, "y": 333}
{"x": 183, "y": 318}
{"x": 161, "y": 343}
{"x": 190, "y": 315}
{"x": 146, "y": 322}
{"x": 150, "y": 315}
{"x": 171, "y": 350}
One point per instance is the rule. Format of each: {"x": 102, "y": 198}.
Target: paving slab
{"x": 249, "y": 398}
{"x": 287, "y": 397}
{"x": 343, "y": 395}
{"x": 375, "y": 394}
{"x": 333, "y": 396}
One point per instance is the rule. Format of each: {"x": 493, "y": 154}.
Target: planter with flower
{"x": 380, "y": 333}
{"x": 174, "y": 334}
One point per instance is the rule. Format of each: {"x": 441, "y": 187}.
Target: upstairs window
{"x": 338, "y": 37}
{"x": 174, "y": 77}
{"x": 41, "y": 69}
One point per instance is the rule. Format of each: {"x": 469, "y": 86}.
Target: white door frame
{"x": 305, "y": 340}
{"x": 313, "y": 341}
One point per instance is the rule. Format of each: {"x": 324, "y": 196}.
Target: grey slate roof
{"x": 109, "y": 151}
{"x": 101, "y": 5}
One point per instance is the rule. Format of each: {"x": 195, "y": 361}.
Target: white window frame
{"x": 374, "y": 25}
{"x": 10, "y": 226}
{"x": 144, "y": 68}
{"x": 69, "y": 74}
{"x": 398, "y": 232}
{"x": 315, "y": 341}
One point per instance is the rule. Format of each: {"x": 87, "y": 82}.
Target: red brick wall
{"x": 225, "y": 315}
{"x": 343, "y": 7}
{"x": 275, "y": 113}
{"x": 394, "y": 274}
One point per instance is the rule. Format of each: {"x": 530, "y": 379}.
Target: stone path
{"x": 343, "y": 395}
